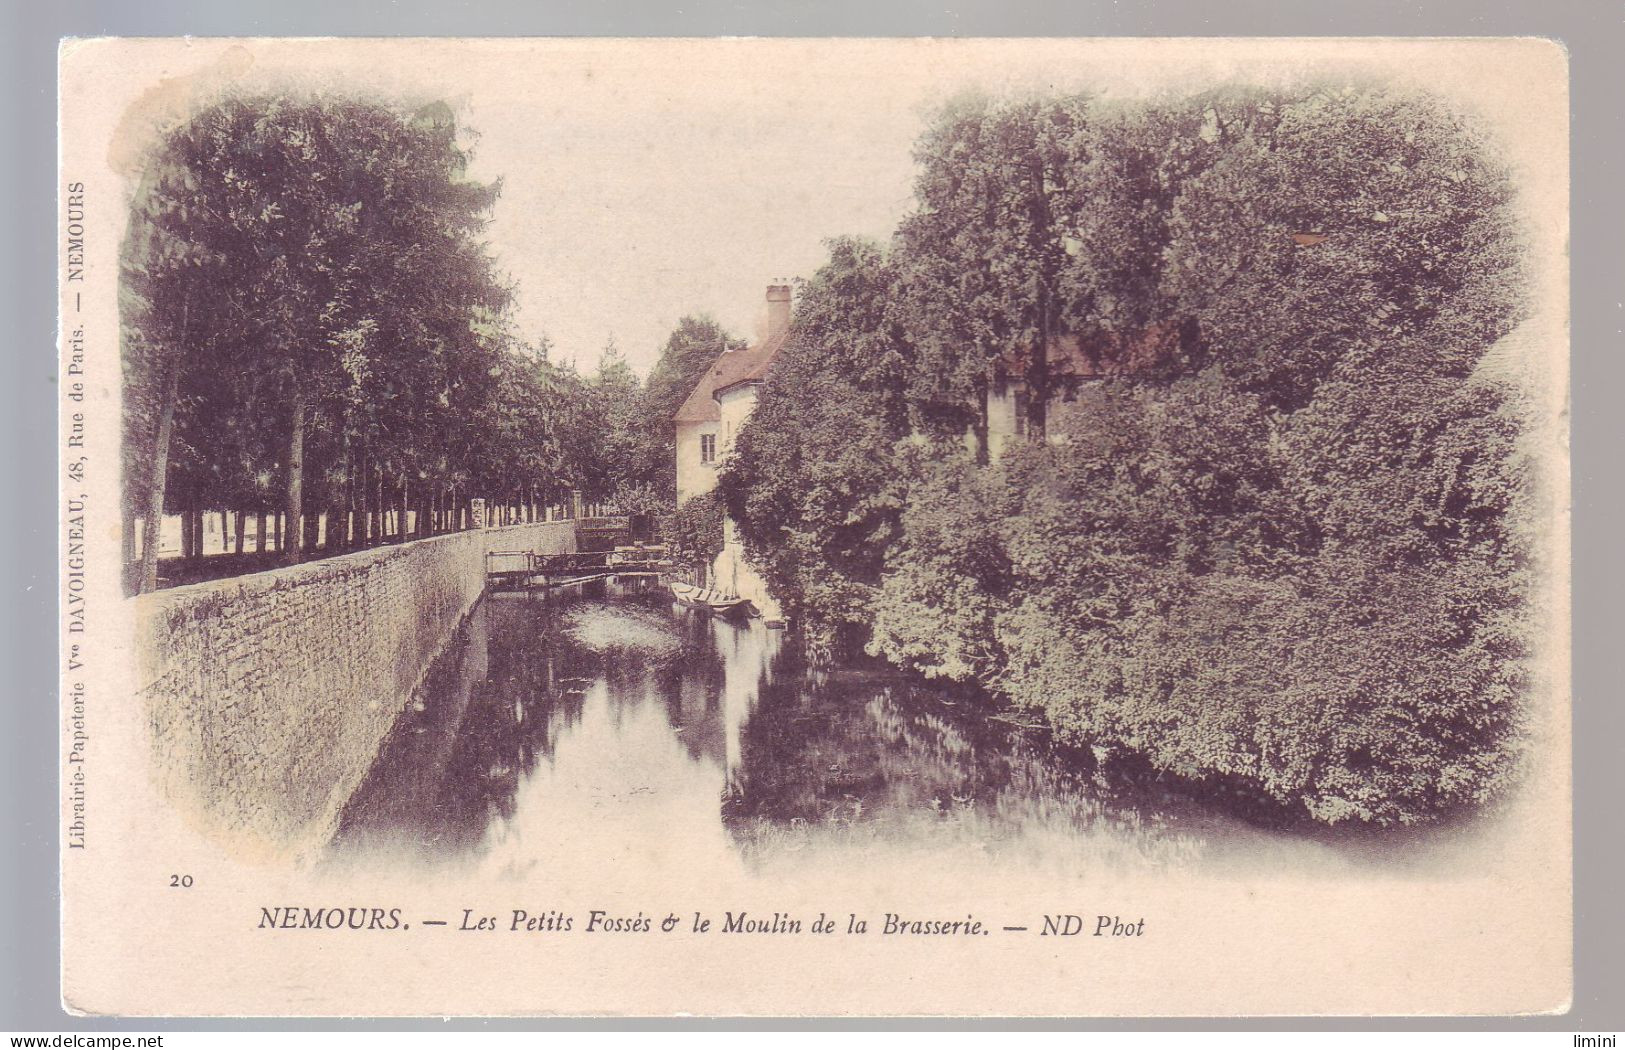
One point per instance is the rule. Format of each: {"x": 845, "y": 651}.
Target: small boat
{"x": 705, "y": 598}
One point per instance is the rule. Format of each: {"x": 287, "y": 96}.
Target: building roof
{"x": 1102, "y": 354}
{"x": 731, "y": 368}
{"x": 700, "y": 406}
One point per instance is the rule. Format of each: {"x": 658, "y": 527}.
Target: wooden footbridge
{"x": 520, "y": 570}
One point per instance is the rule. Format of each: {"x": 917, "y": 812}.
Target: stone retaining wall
{"x": 268, "y": 695}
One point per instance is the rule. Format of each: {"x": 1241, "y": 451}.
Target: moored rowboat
{"x": 706, "y": 598}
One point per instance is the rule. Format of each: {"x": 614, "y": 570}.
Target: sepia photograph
{"x": 815, "y": 527}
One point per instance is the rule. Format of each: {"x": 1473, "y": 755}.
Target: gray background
{"x": 1591, "y": 29}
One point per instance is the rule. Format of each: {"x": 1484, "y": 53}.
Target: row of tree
{"x": 315, "y": 333}
{"x": 1286, "y": 548}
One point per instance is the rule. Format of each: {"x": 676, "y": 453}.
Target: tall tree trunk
{"x": 352, "y": 521}
{"x": 127, "y": 549}
{"x": 296, "y": 475}
{"x": 276, "y": 526}
{"x": 338, "y": 522}
{"x": 352, "y": 517}
{"x": 192, "y": 522}
{"x": 1038, "y": 378}
{"x": 980, "y": 426}
{"x": 242, "y": 526}
{"x": 338, "y": 516}
{"x": 363, "y": 504}
{"x": 259, "y": 532}
{"x": 154, "y": 518}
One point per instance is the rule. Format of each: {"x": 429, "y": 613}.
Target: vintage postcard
{"x": 814, "y": 527}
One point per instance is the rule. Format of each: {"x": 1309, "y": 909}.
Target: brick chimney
{"x": 778, "y": 309}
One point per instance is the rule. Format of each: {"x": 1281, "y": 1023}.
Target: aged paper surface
{"x": 359, "y": 786}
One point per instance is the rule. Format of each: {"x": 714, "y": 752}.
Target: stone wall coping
{"x": 288, "y": 576}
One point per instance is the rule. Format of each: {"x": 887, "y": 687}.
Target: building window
{"x": 708, "y": 448}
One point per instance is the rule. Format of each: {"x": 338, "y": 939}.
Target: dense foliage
{"x": 980, "y": 261}
{"x": 695, "y": 533}
{"x": 314, "y": 332}
{"x": 811, "y": 482}
{"x": 1281, "y": 548}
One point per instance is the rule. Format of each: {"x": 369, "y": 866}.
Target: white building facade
{"x": 709, "y": 422}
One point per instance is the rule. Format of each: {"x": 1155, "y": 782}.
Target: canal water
{"x": 605, "y": 726}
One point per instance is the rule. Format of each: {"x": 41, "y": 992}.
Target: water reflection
{"x": 603, "y": 727}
